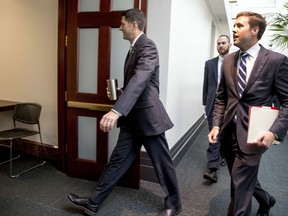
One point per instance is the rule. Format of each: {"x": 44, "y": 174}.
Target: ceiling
{"x": 225, "y": 11}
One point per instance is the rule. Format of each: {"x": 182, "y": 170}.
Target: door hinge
{"x": 65, "y": 95}
{"x": 66, "y": 41}
{"x": 66, "y": 148}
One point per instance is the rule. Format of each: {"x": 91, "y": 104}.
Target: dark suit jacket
{"x": 269, "y": 76}
{"x": 210, "y": 84}
{"x": 139, "y": 103}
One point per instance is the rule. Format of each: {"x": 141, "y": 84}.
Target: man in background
{"x": 212, "y": 76}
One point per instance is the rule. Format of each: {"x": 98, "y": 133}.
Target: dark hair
{"x": 136, "y": 15}
{"x": 223, "y": 35}
{"x": 255, "y": 19}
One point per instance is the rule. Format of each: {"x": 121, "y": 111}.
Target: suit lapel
{"x": 234, "y": 71}
{"x": 128, "y": 59}
{"x": 127, "y": 62}
{"x": 257, "y": 68}
{"x": 215, "y": 70}
{"x": 130, "y": 55}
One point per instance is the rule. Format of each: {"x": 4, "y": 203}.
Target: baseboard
{"x": 45, "y": 151}
{"x": 178, "y": 151}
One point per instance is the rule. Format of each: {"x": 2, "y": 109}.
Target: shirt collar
{"x": 253, "y": 51}
{"x": 135, "y": 39}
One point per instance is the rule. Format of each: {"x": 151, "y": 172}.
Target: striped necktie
{"x": 242, "y": 73}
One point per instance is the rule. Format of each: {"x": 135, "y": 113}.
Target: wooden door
{"x": 95, "y": 51}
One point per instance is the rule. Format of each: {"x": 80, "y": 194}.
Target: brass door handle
{"x": 90, "y": 106}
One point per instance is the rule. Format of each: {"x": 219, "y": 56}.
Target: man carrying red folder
{"x": 250, "y": 77}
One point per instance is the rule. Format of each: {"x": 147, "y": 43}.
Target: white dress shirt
{"x": 250, "y": 60}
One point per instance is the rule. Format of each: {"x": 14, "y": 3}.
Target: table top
{"x": 7, "y": 105}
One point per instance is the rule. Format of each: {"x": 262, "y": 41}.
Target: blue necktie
{"x": 241, "y": 81}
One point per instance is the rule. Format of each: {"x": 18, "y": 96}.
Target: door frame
{"x": 61, "y": 84}
{"x": 61, "y": 80}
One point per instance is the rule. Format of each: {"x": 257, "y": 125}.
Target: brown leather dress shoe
{"x": 170, "y": 212}
{"x": 84, "y": 202}
{"x": 264, "y": 210}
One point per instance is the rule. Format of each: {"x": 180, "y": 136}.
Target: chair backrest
{"x": 28, "y": 113}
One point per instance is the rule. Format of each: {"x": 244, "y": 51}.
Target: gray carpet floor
{"x": 42, "y": 192}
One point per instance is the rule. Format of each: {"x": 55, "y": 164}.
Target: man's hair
{"x": 223, "y": 35}
{"x": 255, "y": 20}
{"x": 136, "y": 15}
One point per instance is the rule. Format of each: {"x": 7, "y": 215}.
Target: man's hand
{"x": 108, "y": 121}
{"x": 265, "y": 140}
{"x": 213, "y": 135}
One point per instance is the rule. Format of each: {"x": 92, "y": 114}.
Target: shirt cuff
{"x": 276, "y": 141}
{"x": 119, "y": 114}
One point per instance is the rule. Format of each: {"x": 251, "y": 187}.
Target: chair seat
{"x": 16, "y": 133}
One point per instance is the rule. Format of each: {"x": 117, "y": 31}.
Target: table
{"x": 7, "y": 105}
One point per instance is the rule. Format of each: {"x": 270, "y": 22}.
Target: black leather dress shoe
{"x": 84, "y": 202}
{"x": 170, "y": 212}
{"x": 223, "y": 162}
{"x": 211, "y": 176}
{"x": 264, "y": 210}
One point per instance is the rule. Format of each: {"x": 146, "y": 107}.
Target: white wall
{"x": 158, "y": 29}
{"x": 184, "y": 46}
{"x": 28, "y": 58}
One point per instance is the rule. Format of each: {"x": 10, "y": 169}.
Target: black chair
{"x": 26, "y": 115}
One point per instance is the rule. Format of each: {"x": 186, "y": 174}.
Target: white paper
{"x": 260, "y": 120}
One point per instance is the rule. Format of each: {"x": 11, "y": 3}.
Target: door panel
{"x": 79, "y": 165}
{"x": 88, "y": 60}
{"x": 85, "y": 5}
{"x": 95, "y": 51}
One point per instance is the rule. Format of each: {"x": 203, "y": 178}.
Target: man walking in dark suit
{"x": 212, "y": 75}
{"x": 142, "y": 119}
{"x": 250, "y": 77}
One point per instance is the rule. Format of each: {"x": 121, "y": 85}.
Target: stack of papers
{"x": 260, "y": 119}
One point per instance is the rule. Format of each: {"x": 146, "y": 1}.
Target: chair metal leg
{"x": 27, "y": 170}
{"x": 11, "y": 163}
{"x": 4, "y": 162}
{"x": 10, "y": 154}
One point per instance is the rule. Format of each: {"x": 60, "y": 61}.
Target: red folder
{"x": 261, "y": 118}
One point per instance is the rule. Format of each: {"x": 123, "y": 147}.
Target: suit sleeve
{"x": 280, "y": 125}
{"x": 220, "y": 101}
{"x": 147, "y": 61}
{"x": 205, "y": 85}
